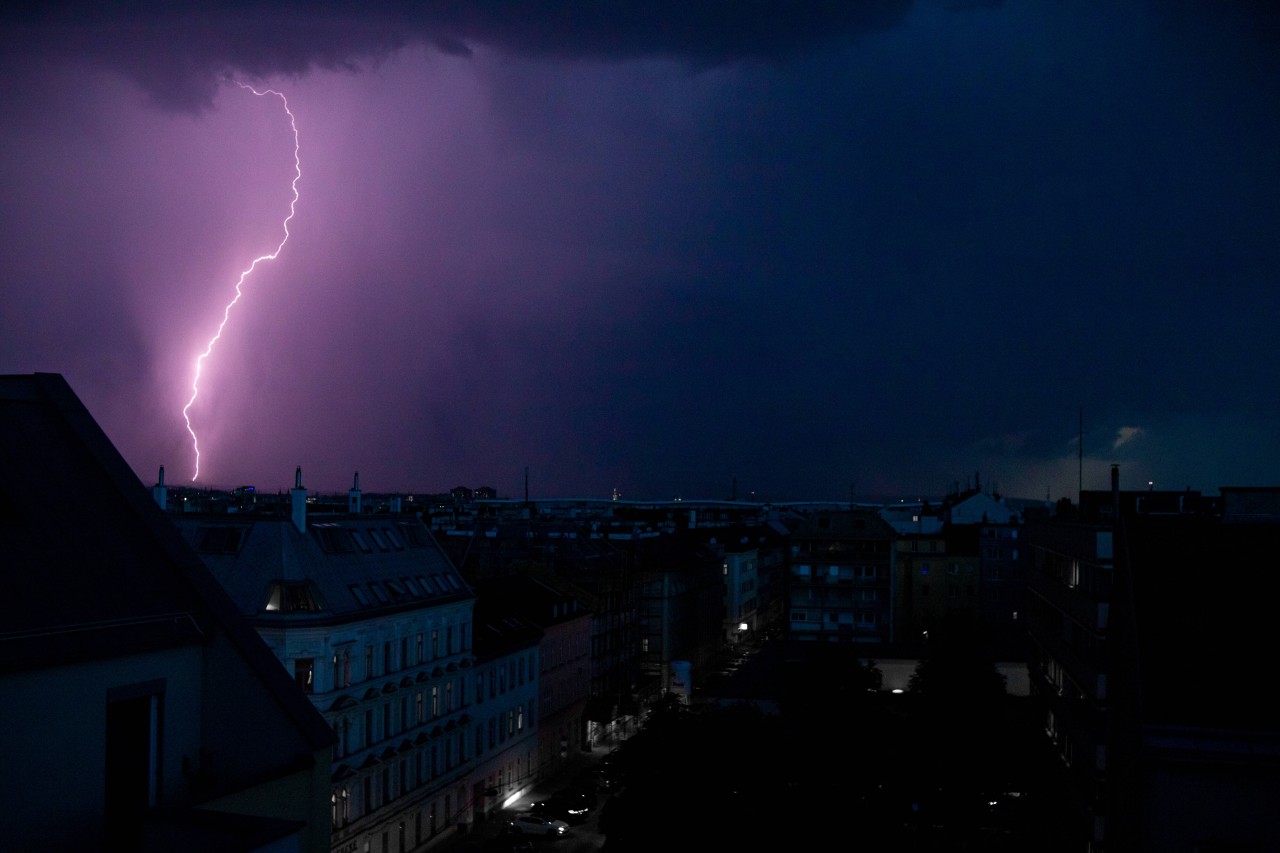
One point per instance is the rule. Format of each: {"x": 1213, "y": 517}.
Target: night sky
{"x": 810, "y": 249}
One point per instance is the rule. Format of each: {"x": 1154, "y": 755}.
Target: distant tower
{"x": 298, "y": 502}
{"x": 160, "y": 492}
{"x": 353, "y": 496}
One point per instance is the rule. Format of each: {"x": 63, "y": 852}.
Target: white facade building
{"x": 374, "y": 623}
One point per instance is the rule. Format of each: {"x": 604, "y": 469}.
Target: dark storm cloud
{"x": 871, "y": 247}
{"x": 178, "y": 54}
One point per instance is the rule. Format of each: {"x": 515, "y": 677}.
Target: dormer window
{"x": 293, "y": 598}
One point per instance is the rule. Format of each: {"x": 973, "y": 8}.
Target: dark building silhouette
{"x": 140, "y": 711}
{"x": 1150, "y": 667}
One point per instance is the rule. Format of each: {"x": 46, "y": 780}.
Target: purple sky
{"x": 656, "y": 250}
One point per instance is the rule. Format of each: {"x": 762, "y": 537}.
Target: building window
{"x": 435, "y": 700}
{"x": 292, "y": 598}
{"x": 340, "y": 802}
{"x": 368, "y": 662}
{"x": 420, "y": 648}
{"x": 342, "y": 669}
{"x": 134, "y": 720}
{"x": 304, "y": 674}
{"x": 419, "y": 706}
{"x": 435, "y": 643}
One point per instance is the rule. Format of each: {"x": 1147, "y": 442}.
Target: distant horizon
{"x": 857, "y": 500}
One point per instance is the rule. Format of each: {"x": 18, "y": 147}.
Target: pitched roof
{"x": 93, "y": 568}
{"x": 354, "y": 565}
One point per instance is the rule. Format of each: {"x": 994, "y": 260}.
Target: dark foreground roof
{"x": 93, "y": 569}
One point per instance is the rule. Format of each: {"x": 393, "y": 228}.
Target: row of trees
{"x": 844, "y": 753}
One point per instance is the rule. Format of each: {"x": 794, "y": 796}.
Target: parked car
{"x": 536, "y": 824}
{"x": 569, "y": 809}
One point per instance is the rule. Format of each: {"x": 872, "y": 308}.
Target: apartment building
{"x": 842, "y": 578}
{"x": 507, "y": 717}
{"x": 564, "y": 659}
{"x": 1148, "y": 643}
{"x": 375, "y": 625}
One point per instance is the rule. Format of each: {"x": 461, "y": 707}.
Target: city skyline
{"x": 805, "y": 253}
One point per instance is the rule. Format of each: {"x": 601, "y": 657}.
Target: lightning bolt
{"x": 226, "y": 312}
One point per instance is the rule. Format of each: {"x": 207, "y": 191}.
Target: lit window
{"x": 292, "y": 598}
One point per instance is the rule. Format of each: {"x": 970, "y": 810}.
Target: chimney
{"x": 160, "y": 492}
{"x": 395, "y": 505}
{"x": 298, "y": 497}
{"x": 353, "y": 496}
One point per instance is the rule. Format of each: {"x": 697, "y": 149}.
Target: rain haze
{"x": 785, "y": 250}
